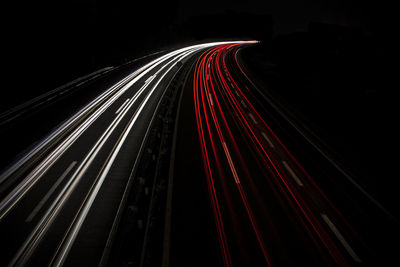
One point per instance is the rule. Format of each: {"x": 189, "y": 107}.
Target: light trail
{"x": 80, "y": 122}
{"x": 109, "y": 96}
{"x": 227, "y": 119}
{"x": 50, "y": 192}
{"x": 77, "y": 224}
{"x": 218, "y": 92}
{"x": 272, "y": 160}
{"x": 210, "y": 180}
{"x": 206, "y": 91}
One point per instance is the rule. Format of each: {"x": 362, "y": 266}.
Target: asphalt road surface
{"x": 78, "y": 182}
{"x": 274, "y": 197}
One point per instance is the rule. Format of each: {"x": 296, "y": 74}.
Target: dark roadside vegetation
{"x": 336, "y": 80}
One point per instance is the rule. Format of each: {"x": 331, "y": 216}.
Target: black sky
{"x": 48, "y": 43}
{"x": 288, "y": 15}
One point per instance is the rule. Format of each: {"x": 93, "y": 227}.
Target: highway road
{"x": 278, "y": 198}
{"x": 275, "y": 197}
{"x": 74, "y": 178}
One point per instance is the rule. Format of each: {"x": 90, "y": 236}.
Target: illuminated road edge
{"x": 219, "y": 98}
{"x": 76, "y": 126}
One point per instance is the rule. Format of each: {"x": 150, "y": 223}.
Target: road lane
{"x": 96, "y": 136}
{"x": 50, "y": 192}
{"x": 269, "y": 209}
{"x": 231, "y": 117}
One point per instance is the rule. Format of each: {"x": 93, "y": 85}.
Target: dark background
{"x": 333, "y": 60}
{"x": 48, "y": 43}
{"x": 330, "y": 61}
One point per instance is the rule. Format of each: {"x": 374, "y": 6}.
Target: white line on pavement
{"x": 292, "y": 173}
{"x": 340, "y": 237}
{"x": 253, "y": 119}
{"x": 268, "y": 140}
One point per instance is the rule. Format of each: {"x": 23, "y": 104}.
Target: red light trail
{"x": 226, "y": 120}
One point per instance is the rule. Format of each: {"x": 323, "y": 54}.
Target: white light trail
{"x": 113, "y": 93}
{"x": 42, "y": 227}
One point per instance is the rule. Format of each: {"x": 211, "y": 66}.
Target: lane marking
{"x": 52, "y": 212}
{"x": 34, "y": 238}
{"x": 124, "y": 83}
{"x": 340, "y": 237}
{"x": 133, "y": 77}
{"x": 121, "y": 107}
{"x": 243, "y": 104}
{"x": 268, "y": 140}
{"x": 317, "y": 147}
{"x": 292, "y": 173}
{"x": 76, "y": 225}
{"x": 50, "y": 192}
{"x": 228, "y": 155}
{"x": 253, "y": 119}
{"x": 211, "y": 100}
{"x": 121, "y": 87}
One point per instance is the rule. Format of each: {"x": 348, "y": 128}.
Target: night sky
{"x": 52, "y": 42}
